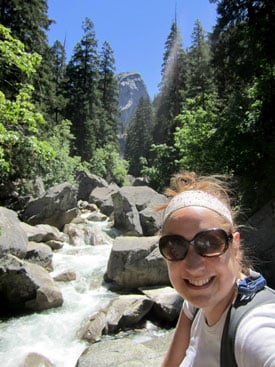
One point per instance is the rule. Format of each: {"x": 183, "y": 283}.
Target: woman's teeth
{"x": 199, "y": 283}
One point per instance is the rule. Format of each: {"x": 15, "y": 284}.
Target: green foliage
{"x": 108, "y": 88}
{"x": 139, "y": 134}
{"x": 63, "y": 167}
{"x": 162, "y": 164}
{"x": 245, "y": 62}
{"x": 81, "y": 90}
{"x": 13, "y": 54}
{"x": 22, "y": 154}
{"x": 200, "y": 73}
{"x": 195, "y": 136}
{"x": 28, "y": 22}
{"x": 168, "y": 102}
{"x": 106, "y": 163}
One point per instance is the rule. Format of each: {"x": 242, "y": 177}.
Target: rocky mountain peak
{"x": 131, "y": 89}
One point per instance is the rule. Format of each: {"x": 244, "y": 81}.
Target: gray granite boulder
{"x": 40, "y": 254}
{"x": 13, "y": 238}
{"x": 123, "y": 313}
{"x": 136, "y": 262}
{"x": 102, "y": 197}
{"x": 126, "y": 353}
{"x": 56, "y": 207}
{"x": 167, "y": 302}
{"x": 258, "y": 237}
{"x": 87, "y": 183}
{"x": 26, "y": 287}
{"x": 133, "y": 203}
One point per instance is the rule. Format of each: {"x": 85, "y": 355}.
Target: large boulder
{"x": 56, "y": 207}
{"x": 135, "y": 210}
{"x": 43, "y": 233}
{"x": 122, "y": 313}
{"x": 126, "y": 352}
{"x": 167, "y": 303}
{"x": 102, "y": 197}
{"x": 40, "y": 254}
{"x": 13, "y": 239}
{"x": 136, "y": 262}
{"x": 258, "y": 236}
{"x": 87, "y": 183}
{"x": 26, "y": 287}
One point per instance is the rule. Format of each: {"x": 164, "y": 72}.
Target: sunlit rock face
{"x": 131, "y": 89}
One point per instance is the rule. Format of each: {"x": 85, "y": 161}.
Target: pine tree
{"x": 244, "y": 59}
{"x": 82, "y": 92}
{"x": 108, "y": 87}
{"x": 200, "y": 74}
{"x": 59, "y": 78}
{"x": 168, "y": 102}
{"x": 139, "y": 133}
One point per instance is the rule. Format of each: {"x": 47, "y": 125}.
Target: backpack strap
{"x": 238, "y": 310}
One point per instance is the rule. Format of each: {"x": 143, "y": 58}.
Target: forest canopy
{"x": 214, "y": 112}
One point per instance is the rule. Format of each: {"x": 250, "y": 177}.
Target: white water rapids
{"x": 55, "y": 333}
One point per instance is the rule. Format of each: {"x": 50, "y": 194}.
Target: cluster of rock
{"x": 42, "y": 225}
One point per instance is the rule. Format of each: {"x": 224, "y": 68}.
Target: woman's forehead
{"x": 194, "y": 216}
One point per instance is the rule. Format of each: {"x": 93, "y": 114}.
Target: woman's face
{"x": 207, "y": 283}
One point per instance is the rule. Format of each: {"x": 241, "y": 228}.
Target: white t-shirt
{"x": 254, "y": 344}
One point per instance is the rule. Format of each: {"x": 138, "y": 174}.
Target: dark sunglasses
{"x": 210, "y": 243}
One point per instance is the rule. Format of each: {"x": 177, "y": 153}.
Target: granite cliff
{"x": 131, "y": 89}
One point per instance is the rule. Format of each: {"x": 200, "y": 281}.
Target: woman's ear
{"x": 237, "y": 238}
{"x": 237, "y": 246}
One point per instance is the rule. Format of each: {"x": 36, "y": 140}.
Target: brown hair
{"x": 215, "y": 185}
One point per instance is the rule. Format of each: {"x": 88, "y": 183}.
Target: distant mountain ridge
{"x": 131, "y": 89}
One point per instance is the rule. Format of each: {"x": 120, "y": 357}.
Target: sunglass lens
{"x": 211, "y": 243}
{"x": 173, "y": 248}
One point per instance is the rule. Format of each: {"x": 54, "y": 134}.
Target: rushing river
{"x": 55, "y": 333}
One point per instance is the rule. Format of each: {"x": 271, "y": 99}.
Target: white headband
{"x": 197, "y": 198}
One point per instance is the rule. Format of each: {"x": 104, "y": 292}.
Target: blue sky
{"x": 135, "y": 29}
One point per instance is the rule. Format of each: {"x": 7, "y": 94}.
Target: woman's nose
{"x": 193, "y": 261}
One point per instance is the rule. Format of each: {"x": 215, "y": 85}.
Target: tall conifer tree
{"x": 244, "y": 58}
{"x": 82, "y": 92}
{"x": 168, "y": 101}
{"x": 200, "y": 74}
{"x": 59, "y": 69}
{"x": 139, "y": 134}
{"x": 108, "y": 87}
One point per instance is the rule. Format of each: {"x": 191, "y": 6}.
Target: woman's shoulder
{"x": 254, "y": 343}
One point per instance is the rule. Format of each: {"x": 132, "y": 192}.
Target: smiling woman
{"x": 206, "y": 265}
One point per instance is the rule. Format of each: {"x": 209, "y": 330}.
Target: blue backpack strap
{"x": 241, "y": 307}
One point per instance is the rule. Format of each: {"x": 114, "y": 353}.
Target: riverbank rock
{"x": 56, "y": 207}
{"x": 13, "y": 238}
{"x": 136, "y": 262}
{"x": 26, "y": 287}
{"x": 123, "y": 313}
{"x": 36, "y": 360}
{"x": 126, "y": 353}
{"x": 87, "y": 183}
{"x": 43, "y": 233}
{"x": 258, "y": 236}
{"x": 102, "y": 197}
{"x": 40, "y": 254}
{"x": 167, "y": 303}
{"x": 135, "y": 210}
{"x": 80, "y": 234}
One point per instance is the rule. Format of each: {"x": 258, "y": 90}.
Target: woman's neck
{"x": 213, "y": 315}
